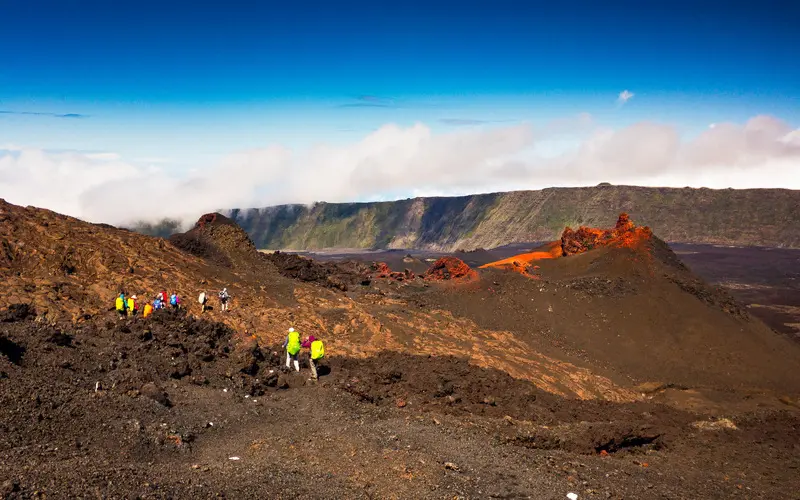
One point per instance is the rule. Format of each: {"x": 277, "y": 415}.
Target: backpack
{"x": 202, "y": 298}
{"x": 317, "y": 350}
{"x": 173, "y": 301}
{"x": 293, "y": 343}
{"x": 120, "y": 304}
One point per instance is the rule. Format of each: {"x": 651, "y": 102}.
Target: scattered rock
{"x": 60, "y": 339}
{"x": 158, "y": 395}
{"x": 715, "y": 425}
{"x": 9, "y": 486}
{"x": 17, "y": 312}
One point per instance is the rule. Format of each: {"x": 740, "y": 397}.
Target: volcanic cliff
{"x": 761, "y": 217}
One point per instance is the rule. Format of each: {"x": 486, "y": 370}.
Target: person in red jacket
{"x": 312, "y": 363}
{"x": 307, "y": 342}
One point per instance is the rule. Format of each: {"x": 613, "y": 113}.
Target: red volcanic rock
{"x": 450, "y": 268}
{"x": 623, "y": 234}
{"x": 382, "y": 271}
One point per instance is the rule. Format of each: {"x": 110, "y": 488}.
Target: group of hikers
{"x": 129, "y": 306}
{"x": 293, "y": 346}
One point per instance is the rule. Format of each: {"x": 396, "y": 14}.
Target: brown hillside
{"x": 616, "y": 363}
{"x": 104, "y": 261}
{"x": 610, "y": 303}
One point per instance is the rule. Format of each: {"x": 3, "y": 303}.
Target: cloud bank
{"x": 397, "y": 162}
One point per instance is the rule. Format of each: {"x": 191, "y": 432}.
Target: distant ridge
{"x": 747, "y": 217}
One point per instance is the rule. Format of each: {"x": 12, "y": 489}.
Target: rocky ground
{"x": 182, "y": 407}
{"x": 615, "y": 373}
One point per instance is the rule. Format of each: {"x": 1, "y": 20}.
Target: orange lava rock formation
{"x": 623, "y": 234}
{"x": 450, "y": 268}
{"x": 523, "y": 263}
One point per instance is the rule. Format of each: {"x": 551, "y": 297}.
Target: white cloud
{"x": 398, "y": 162}
{"x": 56, "y": 180}
{"x": 792, "y": 138}
{"x": 153, "y": 160}
{"x": 103, "y": 156}
{"x": 624, "y": 96}
{"x": 754, "y": 154}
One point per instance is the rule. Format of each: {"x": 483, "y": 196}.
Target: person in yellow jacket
{"x": 121, "y": 305}
{"x": 133, "y": 307}
{"x": 292, "y": 346}
{"x": 148, "y": 310}
{"x": 315, "y": 355}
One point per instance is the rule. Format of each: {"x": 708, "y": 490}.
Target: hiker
{"x": 148, "y": 310}
{"x": 316, "y": 354}
{"x": 292, "y": 346}
{"x": 133, "y": 306}
{"x": 121, "y": 306}
{"x": 158, "y": 303}
{"x": 163, "y": 296}
{"x": 175, "y": 301}
{"x": 223, "y": 299}
{"x": 203, "y": 299}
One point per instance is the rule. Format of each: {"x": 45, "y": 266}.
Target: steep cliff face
{"x": 765, "y": 217}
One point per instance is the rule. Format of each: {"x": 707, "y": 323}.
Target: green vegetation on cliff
{"x": 763, "y": 217}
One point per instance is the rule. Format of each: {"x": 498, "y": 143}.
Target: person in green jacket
{"x": 292, "y": 346}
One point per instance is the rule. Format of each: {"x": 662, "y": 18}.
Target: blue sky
{"x": 182, "y": 85}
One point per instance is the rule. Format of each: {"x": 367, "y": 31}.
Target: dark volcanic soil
{"x": 577, "y": 309}
{"x": 205, "y": 412}
{"x": 765, "y": 279}
{"x": 339, "y": 275}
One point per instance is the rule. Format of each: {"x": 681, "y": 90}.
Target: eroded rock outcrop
{"x": 624, "y": 234}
